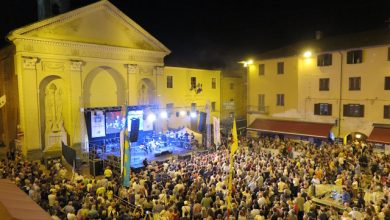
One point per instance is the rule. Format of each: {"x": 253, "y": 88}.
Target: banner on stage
{"x": 98, "y": 125}
{"x": 217, "y": 133}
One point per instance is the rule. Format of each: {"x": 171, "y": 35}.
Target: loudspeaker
{"x": 96, "y": 167}
{"x": 202, "y": 122}
{"x": 134, "y": 130}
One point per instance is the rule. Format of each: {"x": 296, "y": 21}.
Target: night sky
{"x": 216, "y": 33}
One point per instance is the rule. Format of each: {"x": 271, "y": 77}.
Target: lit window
{"x": 323, "y": 109}
{"x": 353, "y": 110}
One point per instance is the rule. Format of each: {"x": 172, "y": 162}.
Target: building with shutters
{"x": 338, "y": 85}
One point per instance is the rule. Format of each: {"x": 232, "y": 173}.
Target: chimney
{"x": 318, "y": 35}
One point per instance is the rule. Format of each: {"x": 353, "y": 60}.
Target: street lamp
{"x": 246, "y": 63}
{"x": 307, "y": 54}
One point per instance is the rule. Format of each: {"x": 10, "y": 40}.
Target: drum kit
{"x": 151, "y": 145}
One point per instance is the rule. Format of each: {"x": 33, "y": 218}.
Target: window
{"x": 354, "y": 56}
{"x": 169, "y": 108}
{"x": 280, "y": 67}
{"x": 280, "y": 99}
{"x": 261, "y": 69}
{"x": 354, "y": 110}
{"x": 193, "y": 107}
{"x": 231, "y": 86}
{"x": 324, "y": 84}
{"x": 386, "y": 111}
{"x": 323, "y": 109}
{"x": 169, "y": 81}
{"x": 213, "y": 83}
{"x": 354, "y": 83}
{"x": 324, "y": 59}
{"x": 261, "y": 103}
{"x": 387, "y": 83}
{"x": 193, "y": 82}
{"x": 213, "y": 106}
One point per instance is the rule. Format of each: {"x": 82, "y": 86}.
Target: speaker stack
{"x": 202, "y": 122}
{"x": 134, "y": 130}
{"x": 96, "y": 167}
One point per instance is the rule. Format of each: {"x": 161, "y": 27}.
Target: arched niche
{"x": 52, "y": 102}
{"x": 103, "y": 87}
{"x": 146, "y": 92}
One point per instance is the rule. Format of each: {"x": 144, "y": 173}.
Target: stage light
{"x": 164, "y": 114}
{"x": 182, "y": 113}
{"x": 358, "y": 136}
{"x": 193, "y": 114}
{"x": 151, "y": 117}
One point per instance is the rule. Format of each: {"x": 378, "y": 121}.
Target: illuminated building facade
{"x": 342, "y": 81}
{"x": 90, "y": 57}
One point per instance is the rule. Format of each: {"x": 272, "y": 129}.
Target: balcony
{"x": 258, "y": 109}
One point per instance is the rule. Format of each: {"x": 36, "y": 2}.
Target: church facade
{"x": 90, "y": 57}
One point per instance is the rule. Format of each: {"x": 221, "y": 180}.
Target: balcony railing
{"x": 258, "y": 109}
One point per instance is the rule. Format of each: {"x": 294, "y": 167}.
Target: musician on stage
{"x": 144, "y": 147}
{"x": 145, "y": 162}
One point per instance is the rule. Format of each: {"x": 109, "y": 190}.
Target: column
{"x": 29, "y": 108}
{"x": 132, "y": 83}
{"x": 76, "y": 97}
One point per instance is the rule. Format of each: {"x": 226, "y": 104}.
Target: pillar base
{"x": 34, "y": 154}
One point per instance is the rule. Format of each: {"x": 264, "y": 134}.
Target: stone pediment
{"x": 100, "y": 23}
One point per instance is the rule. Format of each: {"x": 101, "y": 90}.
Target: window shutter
{"x": 329, "y": 59}
{"x": 387, "y": 83}
{"x": 349, "y": 57}
{"x": 358, "y": 79}
{"x": 386, "y": 111}
{"x": 320, "y": 81}
{"x": 346, "y": 110}
{"x": 361, "y": 110}
{"x": 330, "y": 109}
{"x": 359, "y": 54}
{"x": 317, "y": 109}
{"x": 350, "y": 83}
{"x": 388, "y": 54}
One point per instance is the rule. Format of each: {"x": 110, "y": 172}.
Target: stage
{"x": 106, "y": 134}
{"x": 138, "y": 154}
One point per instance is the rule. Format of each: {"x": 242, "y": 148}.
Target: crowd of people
{"x": 266, "y": 185}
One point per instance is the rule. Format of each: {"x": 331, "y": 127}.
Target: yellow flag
{"x": 234, "y": 146}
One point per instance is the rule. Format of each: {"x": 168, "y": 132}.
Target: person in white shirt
{"x": 355, "y": 214}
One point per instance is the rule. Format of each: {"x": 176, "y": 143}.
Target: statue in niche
{"x": 53, "y": 107}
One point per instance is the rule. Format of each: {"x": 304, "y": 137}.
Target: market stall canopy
{"x": 380, "y": 134}
{"x": 310, "y": 129}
